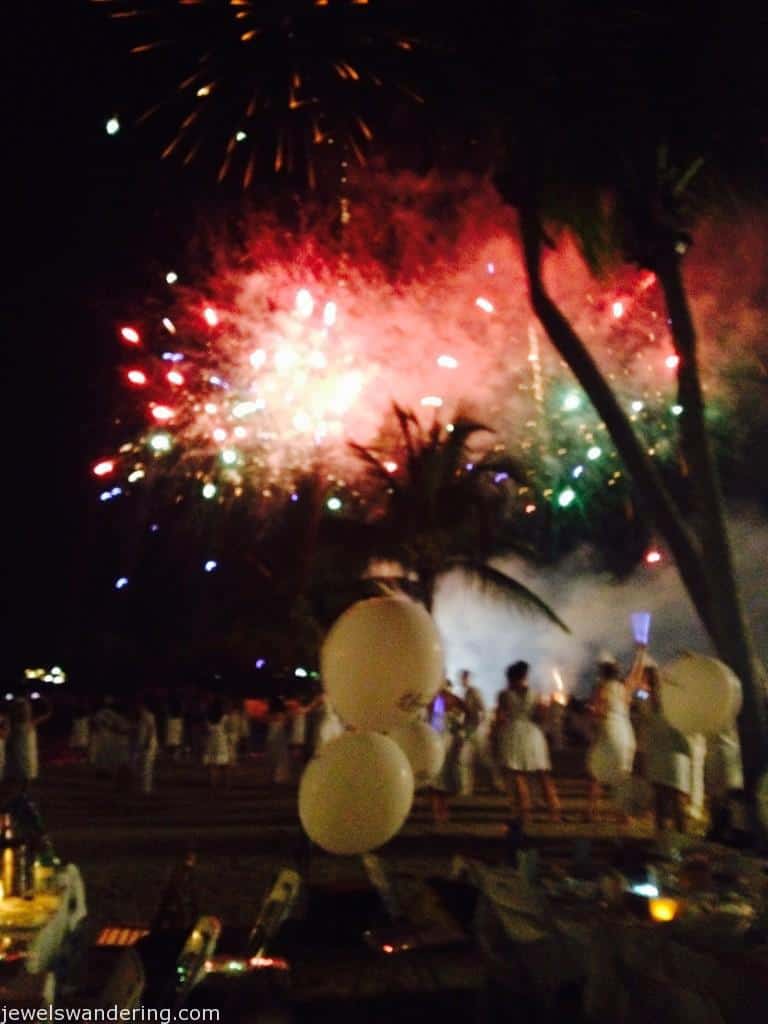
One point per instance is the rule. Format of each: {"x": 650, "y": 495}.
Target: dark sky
{"x": 92, "y": 219}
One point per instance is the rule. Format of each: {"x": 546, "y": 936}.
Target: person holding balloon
{"x": 667, "y": 759}
{"x": 522, "y": 744}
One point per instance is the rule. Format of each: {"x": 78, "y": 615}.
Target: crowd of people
{"x": 632, "y": 754}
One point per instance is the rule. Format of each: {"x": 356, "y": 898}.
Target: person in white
{"x": 144, "y": 747}
{"x": 233, "y": 715}
{"x": 79, "y": 737}
{"x": 174, "y": 730}
{"x": 277, "y": 747}
{"x": 23, "y": 760}
{"x": 326, "y": 724}
{"x": 667, "y": 759}
{"x": 522, "y": 744}
{"x": 217, "y": 752}
{"x": 109, "y": 740}
{"x": 475, "y": 732}
{"x": 613, "y": 750}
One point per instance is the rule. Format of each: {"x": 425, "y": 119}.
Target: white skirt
{"x": 613, "y": 752}
{"x": 523, "y": 747}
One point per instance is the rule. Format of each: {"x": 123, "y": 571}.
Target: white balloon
{"x": 356, "y": 794}
{"x": 700, "y": 695}
{"x": 382, "y": 662}
{"x": 423, "y": 747}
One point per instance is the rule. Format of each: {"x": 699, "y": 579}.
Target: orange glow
{"x": 663, "y": 909}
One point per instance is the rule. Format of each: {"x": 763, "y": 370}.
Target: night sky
{"x": 94, "y": 221}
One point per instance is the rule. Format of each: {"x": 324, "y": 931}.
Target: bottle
{"x": 15, "y": 862}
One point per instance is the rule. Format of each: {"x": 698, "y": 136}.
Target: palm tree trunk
{"x": 703, "y": 557}
{"x": 671, "y": 524}
{"x": 733, "y": 640}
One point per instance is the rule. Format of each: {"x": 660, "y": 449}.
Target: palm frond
{"x": 498, "y": 584}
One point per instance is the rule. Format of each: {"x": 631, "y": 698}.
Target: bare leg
{"x": 523, "y": 794}
{"x": 550, "y": 792}
{"x": 594, "y": 800}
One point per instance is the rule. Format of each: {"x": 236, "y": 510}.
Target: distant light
{"x": 35, "y": 695}
{"x": 334, "y": 504}
{"x": 329, "y": 314}
{"x": 171, "y": 277}
{"x": 391, "y": 467}
{"x": 174, "y": 377}
{"x": 566, "y": 497}
{"x": 120, "y": 582}
{"x": 261, "y": 662}
{"x": 301, "y": 673}
{"x": 676, "y": 410}
{"x": 241, "y": 409}
{"x": 137, "y": 377}
{"x": 219, "y": 434}
{"x": 571, "y": 402}
{"x": 257, "y": 358}
{"x": 105, "y": 496}
{"x": 432, "y": 401}
{"x": 217, "y": 381}
{"x": 9, "y": 696}
{"x": 130, "y": 334}
{"x": 116, "y": 492}
{"x": 637, "y": 406}
{"x": 241, "y": 136}
{"x": 160, "y": 442}
{"x": 652, "y": 557}
{"x": 210, "y": 408}
{"x": 104, "y": 468}
{"x": 163, "y": 413}
{"x": 578, "y": 470}
{"x": 617, "y": 308}
{"x": 153, "y": 527}
{"x": 304, "y": 303}
{"x": 672, "y": 362}
{"x": 137, "y": 474}
{"x": 491, "y": 267}
{"x": 529, "y": 509}
{"x": 447, "y": 362}
{"x": 449, "y": 428}
{"x": 204, "y": 90}
{"x": 112, "y": 127}
{"x": 173, "y": 357}
{"x": 594, "y": 453}
{"x": 294, "y": 496}
{"x": 210, "y": 565}
{"x": 499, "y": 478}
{"x": 210, "y": 316}
{"x": 229, "y": 456}
{"x": 209, "y": 490}
{"x": 240, "y": 433}
{"x": 646, "y": 889}
{"x": 485, "y": 304}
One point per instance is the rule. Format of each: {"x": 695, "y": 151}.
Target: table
{"x": 632, "y": 972}
{"x": 33, "y": 937}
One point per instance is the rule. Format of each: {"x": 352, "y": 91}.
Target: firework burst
{"x": 269, "y": 85}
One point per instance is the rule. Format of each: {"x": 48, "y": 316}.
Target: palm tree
{"x": 441, "y": 510}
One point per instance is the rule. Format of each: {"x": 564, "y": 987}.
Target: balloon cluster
{"x": 381, "y": 665}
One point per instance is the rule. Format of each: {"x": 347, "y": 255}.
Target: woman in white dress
{"x": 667, "y": 759}
{"x": 217, "y": 751}
{"x": 23, "y": 761}
{"x": 446, "y": 716}
{"x": 522, "y": 744}
{"x": 612, "y": 753}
